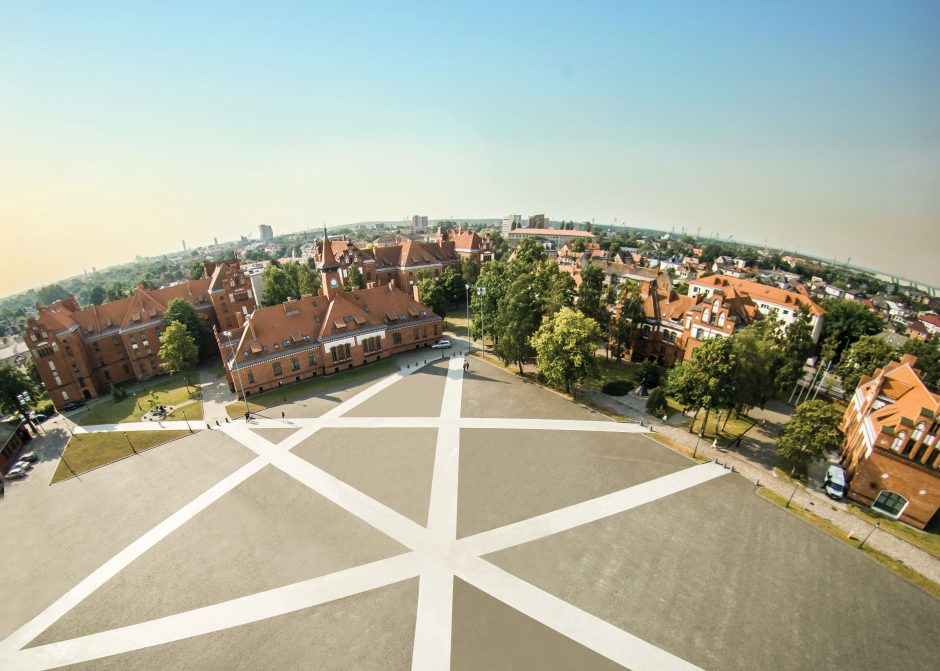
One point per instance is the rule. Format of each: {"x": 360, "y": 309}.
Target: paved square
{"x": 436, "y": 519}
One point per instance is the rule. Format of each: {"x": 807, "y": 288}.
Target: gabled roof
{"x": 756, "y": 290}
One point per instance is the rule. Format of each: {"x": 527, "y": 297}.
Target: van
{"x": 835, "y": 482}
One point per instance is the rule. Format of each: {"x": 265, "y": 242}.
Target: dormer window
{"x": 899, "y": 441}
{"x": 918, "y": 431}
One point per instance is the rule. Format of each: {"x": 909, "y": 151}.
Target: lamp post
{"x": 187, "y": 421}
{"x": 238, "y": 372}
{"x": 877, "y": 526}
{"x": 128, "y": 439}
{"x": 137, "y": 400}
{"x": 469, "y": 338}
{"x": 481, "y": 291}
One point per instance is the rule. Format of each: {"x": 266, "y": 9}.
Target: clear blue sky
{"x": 126, "y": 127}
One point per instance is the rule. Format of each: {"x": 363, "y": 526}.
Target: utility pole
{"x": 481, "y": 291}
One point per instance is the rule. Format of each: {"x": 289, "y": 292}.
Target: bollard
{"x": 208, "y": 426}
{"x": 757, "y": 482}
{"x": 226, "y": 420}
{"x": 216, "y": 422}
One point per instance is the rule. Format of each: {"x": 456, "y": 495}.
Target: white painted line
{"x": 578, "y": 625}
{"x": 174, "y": 425}
{"x": 220, "y": 616}
{"x": 364, "y": 395}
{"x": 113, "y": 566}
{"x": 588, "y": 511}
{"x": 388, "y": 521}
{"x": 503, "y": 423}
{"x": 434, "y": 620}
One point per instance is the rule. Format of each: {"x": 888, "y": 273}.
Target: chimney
{"x": 415, "y": 294}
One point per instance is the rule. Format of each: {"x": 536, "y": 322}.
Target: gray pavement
{"x": 761, "y": 470}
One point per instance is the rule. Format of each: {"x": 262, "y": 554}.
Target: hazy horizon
{"x": 127, "y": 129}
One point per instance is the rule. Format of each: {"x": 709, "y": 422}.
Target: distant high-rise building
{"x": 538, "y": 221}
{"x": 215, "y": 242}
{"x": 510, "y": 221}
{"x": 184, "y": 245}
{"x": 418, "y": 221}
{"x": 265, "y": 232}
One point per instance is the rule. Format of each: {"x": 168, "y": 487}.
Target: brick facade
{"x": 890, "y": 450}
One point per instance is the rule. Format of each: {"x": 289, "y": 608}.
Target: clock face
{"x": 333, "y": 282}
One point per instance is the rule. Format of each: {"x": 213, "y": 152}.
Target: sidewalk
{"x": 215, "y": 395}
{"x": 814, "y": 501}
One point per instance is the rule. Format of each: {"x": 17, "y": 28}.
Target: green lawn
{"x": 612, "y": 370}
{"x": 307, "y": 388}
{"x": 900, "y": 568}
{"x": 716, "y": 426}
{"x": 89, "y": 450}
{"x": 164, "y": 391}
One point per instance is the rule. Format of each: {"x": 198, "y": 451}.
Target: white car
{"x": 15, "y": 473}
{"x": 441, "y": 344}
{"x": 25, "y": 465}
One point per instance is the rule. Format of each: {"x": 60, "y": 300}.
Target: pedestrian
{"x": 247, "y": 416}
{"x": 282, "y": 414}
{"x": 665, "y": 417}
{"x": 715, "y": 443}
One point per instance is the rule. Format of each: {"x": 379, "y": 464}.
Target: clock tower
{"x": 330, "y": 280}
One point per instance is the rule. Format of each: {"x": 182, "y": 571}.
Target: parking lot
{"x": 431, "y": 519}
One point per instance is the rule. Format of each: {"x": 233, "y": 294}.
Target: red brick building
{"x": 324, "y": 334}
{"x": 890, "y": 451}
{"x": 80, "y": 352}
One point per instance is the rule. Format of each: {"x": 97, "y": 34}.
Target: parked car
{"x": 38, "y": 417}
{"x": 834, "y": 484}
{"x": 73, "y": 405}
{"x": 441, "y": 344}
{"x": 16, "y": 473}
{"x": 29, "y": 456}
{"x": 25, "y": 465}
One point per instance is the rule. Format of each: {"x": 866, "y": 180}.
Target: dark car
{"x": 73, "y": 405}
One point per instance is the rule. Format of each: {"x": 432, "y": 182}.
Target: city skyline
{"x": 809, "y": 126}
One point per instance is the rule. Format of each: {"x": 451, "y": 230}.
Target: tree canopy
{"x": 182, "y": 311}
{"x": 13, "y": 382}
{"x": 844, "y": 323}
{"x": 813, "y": 430}
{"x": 179, "y": 352}
{"x": 864, "y": 356}
{"x": 518, "y": 319}
{"x": 565, "y": 347}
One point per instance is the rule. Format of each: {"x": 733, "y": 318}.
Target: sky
{"x": 128, "y": 127}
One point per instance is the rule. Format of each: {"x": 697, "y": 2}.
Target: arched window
{"x": 918, "y": 432}
{"x": 899, "y": 441}
{"x": 715, "y": 304}
{"x": 705, "y": 315}
{"x": 721, "y": 319}
{"x": 890, "y": 504}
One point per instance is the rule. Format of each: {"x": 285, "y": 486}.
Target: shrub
{"x": 46, "y": 409}
{"x": 656, "y": 403}
{"x": 618, "y": 388}
{"x": 650, "y": 374}
{"x": 118, "y": 394}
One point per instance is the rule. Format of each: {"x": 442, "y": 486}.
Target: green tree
{"x": 529, "y": 252}
{"x": 707, "y": 381}
{"x": 657, "y": 403}
{"x": 453, "y": 284}
{"x": 591, "y": 295}
{"x": 51, "y": 293}
{"x": 13, "y": 382}
{"x": 518, "y": 321}
{"x": 277, "y": 285}
{"x": 197, "y": 271}
{"x": 928, "y": 360}
{"x": 796, "y": 346}
{"x": 862, "y": 358}
{"x": 813, "y": 430}
{"x": 623, "y": 328}
{"x": 179, "y": 352}
{"x": 181, "y": 310}
{"x": 470, "y": 271}
{"x": 354, "y": 278}
{"x": 844, "y": 323}
{"x": 301, "y": 280}
{"x": 97, "y": 295}
{"x": 432, "y": 295}
{"x": 115, "y": 292}
{"x": 553, "y": 289}
{"x": 495, "y": 278}
{"x": 650, "y": 374}
{"x": 757, "y": 354}
{"x": 565, "y": 347}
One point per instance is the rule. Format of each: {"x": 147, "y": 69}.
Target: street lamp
{"x": 877, "y": 525}
{"x": 127, "y": 438}
{"x": 481, "y": 291}
{"x": 238, "y": 372}
{"x": 137, "y": 401}
{"x": 469, "y": 338}
{"x": 187, "y": 421}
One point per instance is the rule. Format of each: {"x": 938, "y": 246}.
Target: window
{"x": 277, "y": 368}
{"x": 340, "y": 353}
{"x": 416, "y": 334}
{"x": 396, "y": 338}
{"x": 312, "y": 360}
{"x": 699, "y": 333}
{"x": 918, "y": 432}
{"x": 251, "y": 377}
{"x": 889, "y": 503}
{"x": 65, "y": 396}
{"x": 294, "y": 363}
{"x": 127, "y": 370}
{"x": 899, "y": 441}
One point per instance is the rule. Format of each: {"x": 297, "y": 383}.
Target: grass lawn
{"x": 925, "y": 540}
{"x": 716, "y": 427}
{"x": 164, "y": 391}
{"x": 612, "y": 370}
{"x": 900, "y": 568}
{"x": 299, "y": 391}
{"x": 90, "y": 450}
